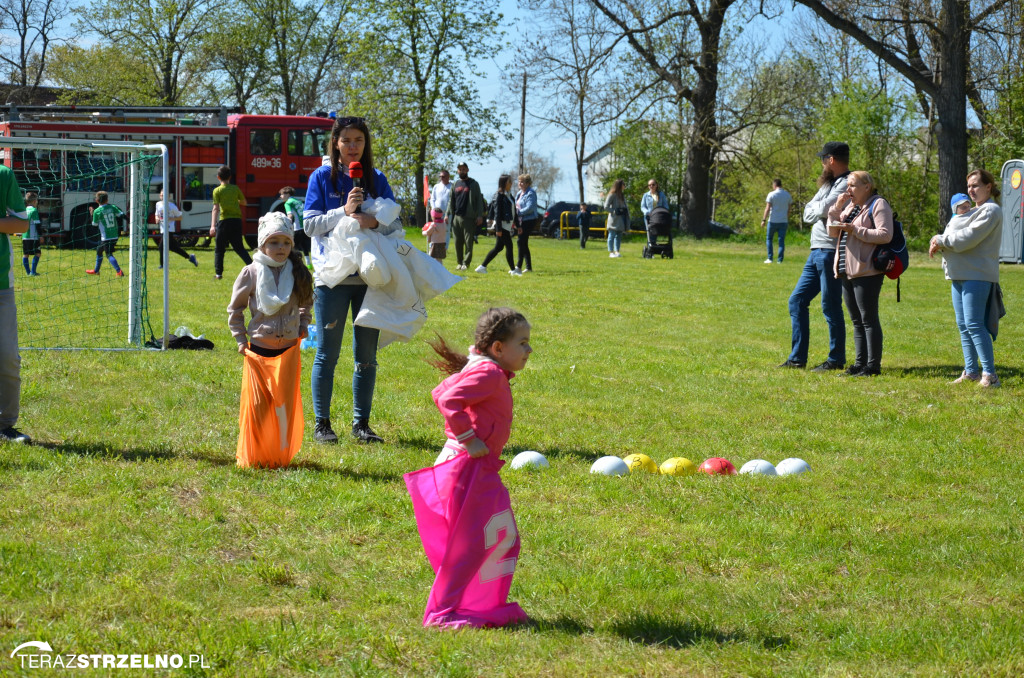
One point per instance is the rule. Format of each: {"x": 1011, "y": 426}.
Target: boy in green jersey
{"x": 293, "y": 208}
{"x": 106, "y": 217}
{"x": 30, "y": 240}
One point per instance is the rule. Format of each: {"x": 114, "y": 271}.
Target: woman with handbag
{"x": 861, "y": 219}
{"x": 970, "y": 259}
{"x": 501, "y": 220}
{"x": 618, "y": 217}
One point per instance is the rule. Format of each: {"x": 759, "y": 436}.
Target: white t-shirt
{"x": 440, "y": 195}
{"x": 780, "y": 200}
{"x": 174, "y": 212}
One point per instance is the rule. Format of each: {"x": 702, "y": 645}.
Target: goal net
{"x": 76, "y": 287}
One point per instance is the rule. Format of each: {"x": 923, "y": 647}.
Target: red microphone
{"x": 355, "y": 171}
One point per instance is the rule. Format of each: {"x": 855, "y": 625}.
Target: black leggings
{"x": 523, "y": 243}
{"x": 302, "y": 242}
{"x": 504, "y": 242}
{"x": 861, "y": 297}
{"x": 229, "y": 231}
{"x": 173, "y": 245}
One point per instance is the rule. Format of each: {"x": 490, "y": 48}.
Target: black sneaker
{"x": 794, "y": 364}
{"x": 868, "y": 372}
{"x": 853, "y": 370}
{"x": 323, "y": 433}
{"x": 13, "y": 435}
{"x": 362, "y": 432}
{"x": 827, "y": 366}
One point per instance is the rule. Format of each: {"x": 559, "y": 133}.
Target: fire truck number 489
{"x": 261, "y": 162}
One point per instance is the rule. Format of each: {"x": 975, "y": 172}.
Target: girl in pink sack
{"x": 462, "y": 508}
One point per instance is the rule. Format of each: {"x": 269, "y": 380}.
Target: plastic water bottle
{"x": 312, "y": 340}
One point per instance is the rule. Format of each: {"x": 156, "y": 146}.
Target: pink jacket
{"x": 478, "y": 402}
{"x": 870, "y": 228}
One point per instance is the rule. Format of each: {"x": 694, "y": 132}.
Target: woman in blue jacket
{"x": 331, "y": 196}
{"x": 526, "y": 208}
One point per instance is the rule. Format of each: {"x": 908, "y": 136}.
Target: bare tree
{"x": 689, "y": 64}
{"x": 33, "y": 23}
{"x": 574, "y": 62}
{"x": 928, "y": 42}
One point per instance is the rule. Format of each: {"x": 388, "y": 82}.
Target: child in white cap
{"x": 278, "y": 291}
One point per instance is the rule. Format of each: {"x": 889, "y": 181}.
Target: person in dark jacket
{"x": 501, "y": 216}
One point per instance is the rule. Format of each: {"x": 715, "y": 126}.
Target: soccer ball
{"x": 792, "y": 467}
{"x": 610, "y": 466}
{"x": 758, "y": 467}
{"x": 678, "y": 466}
{"x": 718, "y": 466}
{"x": 530, "y": 460}
{"x": 640, "y": 462}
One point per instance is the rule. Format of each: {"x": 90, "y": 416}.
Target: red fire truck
{"x": 266, "y": 153}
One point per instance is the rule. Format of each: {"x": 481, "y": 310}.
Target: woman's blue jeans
{"x": 970, "y": 299}
{"x": 614, "y": 240}
{"x": 332, "y": 306}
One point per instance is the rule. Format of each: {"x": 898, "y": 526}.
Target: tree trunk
{"x": 951, "y": 105}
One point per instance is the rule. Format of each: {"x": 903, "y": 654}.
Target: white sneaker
{"x": 527, "y": 270}
{"x": 481, "y": 269}
{"x": 618, "y": 254}
{"x": 515, "y": 271}
{"x": 611, "y": 255}
{"x": 767, "y": 261}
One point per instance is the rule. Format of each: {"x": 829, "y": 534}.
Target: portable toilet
{"x": 1011, "y": 250}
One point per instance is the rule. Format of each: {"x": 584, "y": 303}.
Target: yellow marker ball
{"x": 640, "y": 462}
{"x": 678, "y": 466}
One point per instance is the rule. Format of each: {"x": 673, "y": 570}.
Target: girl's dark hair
{"x": 618, "y": 186}
{"x": 503, "y": 180}
{"x": 496, "y": 324}
{"x": 366, "y": 161}
{"x": 302, "y": 290}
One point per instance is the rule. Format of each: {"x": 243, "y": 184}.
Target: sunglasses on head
{"x": 351, "y": 121}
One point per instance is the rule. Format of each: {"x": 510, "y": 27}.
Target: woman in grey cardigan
{"x": 970, "y": 259}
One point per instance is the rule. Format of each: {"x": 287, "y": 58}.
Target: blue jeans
{"x": 970, "y": 299}
{"x": 779, "y": 229}
{"x": 331, "y": 306}
{"x": 614, "y": 240}
{"x": 817, "y": 277}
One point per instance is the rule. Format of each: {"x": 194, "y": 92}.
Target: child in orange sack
{"x": 277, "y": 288}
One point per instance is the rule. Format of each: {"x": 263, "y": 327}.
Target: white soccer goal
{"x": 63, "y": 307}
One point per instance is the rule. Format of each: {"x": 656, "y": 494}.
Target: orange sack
{"x": 270, "y": 417}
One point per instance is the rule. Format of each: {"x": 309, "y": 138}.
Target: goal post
{"x": 74, "y": 299}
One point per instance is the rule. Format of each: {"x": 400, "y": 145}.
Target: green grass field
{"x": 128, "y": 529}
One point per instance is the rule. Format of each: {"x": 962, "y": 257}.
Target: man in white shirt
{"x": 170, "y": 226}
{"x": 439, "y": 196}
{"x": 776, "y": 215}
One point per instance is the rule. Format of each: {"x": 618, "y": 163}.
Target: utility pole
{"x": 522, "y": 125}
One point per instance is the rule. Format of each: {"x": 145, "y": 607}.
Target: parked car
{"x": 551, "y": 217}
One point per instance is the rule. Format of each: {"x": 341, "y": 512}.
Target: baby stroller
{"x": 659, "y": 233}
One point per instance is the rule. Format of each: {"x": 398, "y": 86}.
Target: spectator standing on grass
{"x": 465, "y": 214}
{"x": 776, "y": 217}
{"x": 817, "y": 276}
{"x": 526, "y": 219}
{"x": 168, "y": 224}
{"x": 436, "y": 232}
{"x": 501, "y": 212}
{"x": 440, "y": 195}
{"x": 293, "y": 210}
{"x": 583, "y": 221}
{"x": 618, "y": 217}
{"x": 226, "y": 221}
{"x": 861, "y": 220}
{"x": 651, "y": 199}
{"x": 14, "y": 220}
{"x": 970, "y": 259}
{"x": 30, "y": 240}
